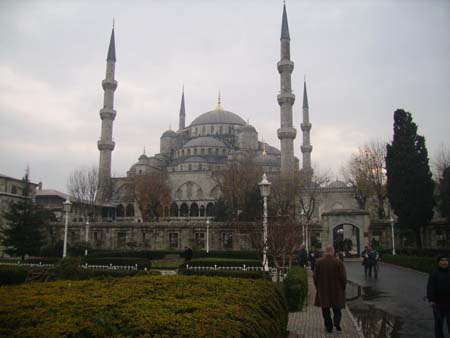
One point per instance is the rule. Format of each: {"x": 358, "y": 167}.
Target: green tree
{"x": 23, "y": 233}
{"x": 409, "y": 183}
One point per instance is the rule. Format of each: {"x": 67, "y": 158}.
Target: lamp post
{"x": 67, "y": 206}
{"x": 86, "y": 237}
{"x": 393, "y": 236}
{"x": 207, "y": 235}
{"x": 264, "y": 187}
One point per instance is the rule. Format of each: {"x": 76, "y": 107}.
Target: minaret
{"x": 306, "y": 128}
{"x": 107, "y": 115}
{"x": 286, "y": 99}
{"x": 182, "y": 113}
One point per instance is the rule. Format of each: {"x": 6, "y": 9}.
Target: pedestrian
{"x": 438, "y": 293}
{"x": 372, "y": 261}
{"x": 330, "y": 279}
{"x": 188, "y": 253}
{"x": 302, "y": 256}
{"x": 312, "y": 259}
{"x": 364, "y": 262}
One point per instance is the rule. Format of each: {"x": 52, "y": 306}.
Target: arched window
{"x": 130, "y": 210}
{"x": 120, "y": 211}
{"x": 14, "y": 190}
{"x": 210, "y": 210}
{"x": 202, "y": 211}
{"x": 184, "y": 210}
{"x": 194, "y": 210}
{"x": 195, "y": 151}
{"x": 174, "y": 210}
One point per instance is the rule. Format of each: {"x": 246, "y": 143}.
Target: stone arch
{"x": 199, "y": 193}
{"x": 215, "y": 192}
{"x": 174, "y": 210}
{"x": 202, "y": 210}
{"x": 129, "y": 211}
{"x": 210, "y": 209}
{"x": 184, "y": 210}
{"x": 179, "y": 193}
{"x": 193, "y": 210}
{"x": 120, "y": 211}
{"x": 346, "y": 237}
{"x": 188, "y": 191}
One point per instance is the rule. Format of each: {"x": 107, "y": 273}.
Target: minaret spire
{"x": 306, "y": 128}
{"x": 182, "y": 121}
{"x": 286, "y": 99}
{"x": 107, "y": 114}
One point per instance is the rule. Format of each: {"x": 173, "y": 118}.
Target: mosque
{"x": 191, "y": 154}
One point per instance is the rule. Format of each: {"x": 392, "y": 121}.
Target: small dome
{"x": 204, "y": 141}
{"x": 169, "y": 133}
{"x": 248, "y": 128}
{"x": 218, "y": 117}
{"x": 337, "y": 184}
{"x": 267, "y": 160}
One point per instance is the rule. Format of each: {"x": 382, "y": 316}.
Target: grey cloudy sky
{"x": 363, "y": 59}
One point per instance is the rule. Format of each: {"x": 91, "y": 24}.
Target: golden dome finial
{"x": 219, "y": 106}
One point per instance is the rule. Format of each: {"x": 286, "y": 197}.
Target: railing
{"x": 281, "y": 272}
{"x": 84, "y": 266}
{"x": 18, "y": 263}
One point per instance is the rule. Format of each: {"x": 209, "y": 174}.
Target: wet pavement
{"x": 391, "y": 306}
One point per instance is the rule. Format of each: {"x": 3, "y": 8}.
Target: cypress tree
{"x": 24, "y": 225}
{"x": 409, "y": 183}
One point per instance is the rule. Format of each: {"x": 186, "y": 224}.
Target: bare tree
{"x": 366, "y": 172}
{"x": 441, "y": 162}
{"x": 238, "y": 183}
{"x": 152, "y": 194}
{"x": 82, "y": 185}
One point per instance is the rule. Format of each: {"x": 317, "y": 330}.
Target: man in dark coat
{"x": 302, "y": 256}
{"x": 438, "y": 293}
{"x": 330, "y": 279}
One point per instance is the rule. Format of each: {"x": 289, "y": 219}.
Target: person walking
{"x": 330, "y": 279}
{"x": 438, "y": 293}
{"x": 372, "y": 261}
{"x": 364, "y": 262}
{"x": 302, "y": 256}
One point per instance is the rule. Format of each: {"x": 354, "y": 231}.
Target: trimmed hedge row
{"x": 227, "y": 273}
{"x": 12, "y": 275}
{"x": 227, "y": 254}
{"x": 296, "y": 288}
{"x": 159, "y": 306}
{"x": 424, "y": 264}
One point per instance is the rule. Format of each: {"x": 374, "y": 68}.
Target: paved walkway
{"x": 308, "y": 323}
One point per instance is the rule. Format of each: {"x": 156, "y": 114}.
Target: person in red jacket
{"x": 438, "y": 293}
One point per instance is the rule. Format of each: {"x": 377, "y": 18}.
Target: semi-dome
{"x": 267, "y": 160}
{"x": 218, "y": 116}
{"x": 204, "y": 141}
{"x": 248, "y": 128}
{"x": 169, "y": 133}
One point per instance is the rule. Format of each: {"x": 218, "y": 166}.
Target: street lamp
{"x": 264, "y": 187}
{"x": 207, "y": 235}
{"x": 86, "y": 237}
{"x": 393, "y": 237}
{"x": 67, "y": 206}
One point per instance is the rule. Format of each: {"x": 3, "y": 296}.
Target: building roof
{"x": 218, "y": 116}
{"x": 204, "y": 141}
{"x": 15, "y": 179}
{"x": 248, "y": 128}
{"x": 337, "y": 184}
{"x": 195, "y": 159}
{"x": 51, "y": 192}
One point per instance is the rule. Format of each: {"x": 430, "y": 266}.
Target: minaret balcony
{"x": 306, "y": 149}
{"x": 107, "y": 113}
{"x": 286, "y": 133}
{"x": 105, "y": 145}
{"x": 284, "y": 98}
{"x": 306, "y": 126}
{"x": 108, "y": 84}
{"x": 285, "y": 66}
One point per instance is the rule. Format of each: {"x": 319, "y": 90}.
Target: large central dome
{"x": 218, "y": 116}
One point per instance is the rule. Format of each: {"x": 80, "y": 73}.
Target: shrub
{"x": 227, "y": 254}
{"x": 10, "y": 275}
{"x": 424, "y": 264}
{"x": 296, "y": 288}
{"x": 227, "y": 273}
{"x": 147, "y": 306}
{"x": 68, "y": 268}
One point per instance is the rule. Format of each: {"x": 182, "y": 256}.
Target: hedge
{"x": 227, "y": 254}
{"x": 226, "y": 273}
{"x": 136, "y": 254}
{"x": 296, "y": 288}
{"x": 148, "y": 306}
{"x": 424, "y": 264}
{"x": 11, "y": 275}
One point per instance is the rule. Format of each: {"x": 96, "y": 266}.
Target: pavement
{"x": 308, "y": 323}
